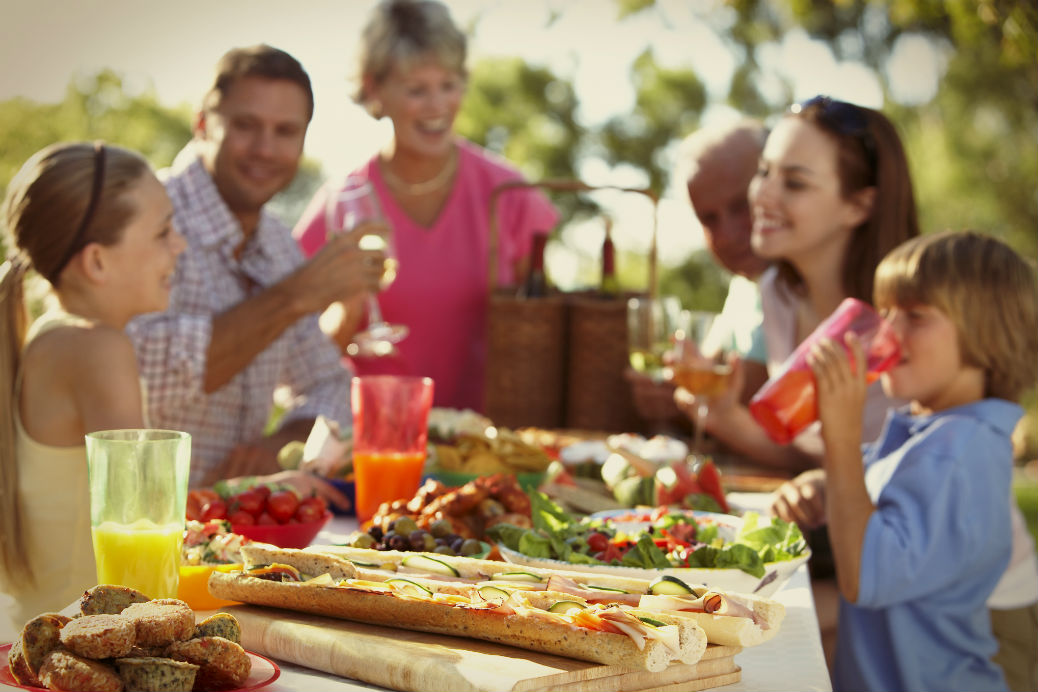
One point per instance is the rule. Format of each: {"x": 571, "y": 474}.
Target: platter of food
{"x": 749, "y": 554}
{"x": 263, "y": 673}
{"x": 121, "y": 639}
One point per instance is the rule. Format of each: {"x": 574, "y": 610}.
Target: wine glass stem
{"x": 374, "y": 311}
{"x": 701, "y": 413}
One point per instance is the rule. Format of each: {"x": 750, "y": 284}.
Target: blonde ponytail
{"x": 13, "y": 564}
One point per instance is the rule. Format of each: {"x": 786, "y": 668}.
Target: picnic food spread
{"x": 420, "y": 564}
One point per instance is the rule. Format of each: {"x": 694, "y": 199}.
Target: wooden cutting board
{"x": 417, "y": 661}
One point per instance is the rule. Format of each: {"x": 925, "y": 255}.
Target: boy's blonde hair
{"x": 988, "y": 290}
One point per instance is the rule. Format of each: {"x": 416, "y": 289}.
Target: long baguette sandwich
{"x": 554, "y": 623}
{"x": 727, "y": 618}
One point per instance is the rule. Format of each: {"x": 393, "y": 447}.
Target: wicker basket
{"x": 559, "y": 361}
{"x": 597, "y": 395}
{"x": 526, "y": 360}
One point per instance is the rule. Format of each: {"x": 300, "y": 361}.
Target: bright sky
{"x": 173, "y": 46}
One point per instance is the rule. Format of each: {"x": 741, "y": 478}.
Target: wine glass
{"x": 651, "y": 323}
{"x": 348, "y": 207}
{"x": 701, "y": 367}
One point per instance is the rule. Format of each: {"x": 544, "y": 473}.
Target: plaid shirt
{"x": 172, "y": 345}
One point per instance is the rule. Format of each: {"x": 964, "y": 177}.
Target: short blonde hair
{"x": 406, "y": 33}
{"x": 988, "y": 290}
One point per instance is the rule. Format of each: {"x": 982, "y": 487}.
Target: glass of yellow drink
{"x": 138, "y": 498}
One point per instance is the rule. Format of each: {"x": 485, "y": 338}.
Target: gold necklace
{"x": 426, "y": 186}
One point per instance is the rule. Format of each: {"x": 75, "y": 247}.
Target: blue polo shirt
{"x": 934, "y": 549}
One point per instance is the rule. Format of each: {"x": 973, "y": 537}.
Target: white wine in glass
{"x": 701, "y": 368}
{"x": 349, "y": 206}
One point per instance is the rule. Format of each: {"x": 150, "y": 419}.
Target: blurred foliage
{"x": 528, "y": 116}
{"x": 667, "y": 106}
{"x": 94, "y": 108}
{"x": 699, "y": 281}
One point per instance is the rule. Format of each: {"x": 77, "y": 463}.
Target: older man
{"x": 243, "y": 312}
{"x": 716, "y": 165}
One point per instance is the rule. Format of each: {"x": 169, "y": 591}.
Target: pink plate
{"x": 264, "y": 672}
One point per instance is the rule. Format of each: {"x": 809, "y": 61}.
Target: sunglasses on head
{"x": 842, "y": 118}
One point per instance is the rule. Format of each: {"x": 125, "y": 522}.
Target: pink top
{"x": 441, "y": 290}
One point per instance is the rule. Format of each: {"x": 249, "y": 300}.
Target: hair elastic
{"x": 95, "y": 197}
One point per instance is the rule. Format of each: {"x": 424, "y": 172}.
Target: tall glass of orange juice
{"x": 390, "y": 415}
{"x": 138, "y": 501}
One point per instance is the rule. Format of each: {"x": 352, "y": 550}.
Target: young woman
{"x": 831, "y": 197}
{"x": 435, "y": 189}
{"x": 93, "y": 221}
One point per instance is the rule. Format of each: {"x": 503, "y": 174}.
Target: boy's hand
{"x": 802, "y": 500}
{"x": 841, "y": 387}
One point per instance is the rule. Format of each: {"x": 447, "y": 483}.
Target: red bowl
{"x": 284, "y": 535}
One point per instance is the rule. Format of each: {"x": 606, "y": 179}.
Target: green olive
{"x": 404, "y": 526}
{"x": 440, "y": 528}
{"x": 470, "y": 547}
{"x": 362, "y": 540}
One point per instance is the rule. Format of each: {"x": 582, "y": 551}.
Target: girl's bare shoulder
{"x": 79, "y": 345}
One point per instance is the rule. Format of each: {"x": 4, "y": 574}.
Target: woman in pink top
{"x": 435, "y": 189}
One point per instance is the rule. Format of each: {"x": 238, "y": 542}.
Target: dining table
{"x": 792, "y": 660}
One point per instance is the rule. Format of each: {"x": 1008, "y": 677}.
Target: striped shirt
{"x": 172, "y": 345}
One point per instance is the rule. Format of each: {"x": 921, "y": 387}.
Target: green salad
{"x": 663, "y": 540}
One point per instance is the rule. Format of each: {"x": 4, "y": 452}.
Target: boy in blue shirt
{"x": 921, "y": 531}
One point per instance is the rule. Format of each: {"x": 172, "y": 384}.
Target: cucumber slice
{"x": 361, "y": 563}
{"x": 605, "y": 588}
{"x": 565, "y": 606}
{"x": 489, "y": 592}
{"x": 667, "y": 585}
{"x": 409, "y": 587}
{"x": 516, "y": 576}
{"x": 429, "y": 564}
{"x": 654, "y": 623}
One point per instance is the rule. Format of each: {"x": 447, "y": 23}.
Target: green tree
{"x": 668, "y": 104}
{"x": 527, "y": 115}
{"x": 97, "y": 107}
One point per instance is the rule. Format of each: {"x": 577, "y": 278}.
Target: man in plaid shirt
{"x": 243, "y": 313}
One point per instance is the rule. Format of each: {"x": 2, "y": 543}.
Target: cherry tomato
{"x": 265, "y": 519}
{"x": 248, "y": 501}
{"x": 207, "y": 495}
{"x": 242, "y": 518}
{"x": 262, "y": 490}
{"x": 282, "y": 505}
{"x": 194, "y": 506}
{"x": 310, "y": 510}
{"x": 216, "y": 509}
{"x": 597, "y": 541}
{"x": 709, "y": 479}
